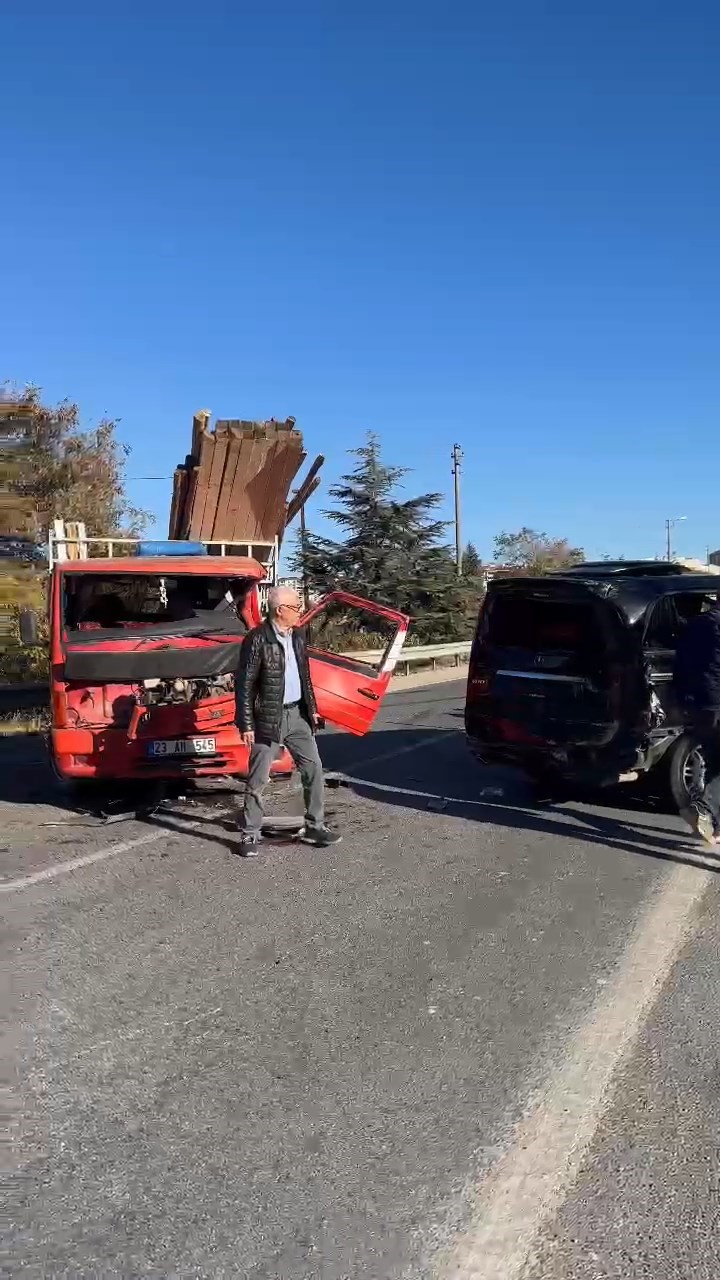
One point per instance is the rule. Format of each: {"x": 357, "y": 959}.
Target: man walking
{"x": 697, "y": 683}
{"x": 275, "y": 708}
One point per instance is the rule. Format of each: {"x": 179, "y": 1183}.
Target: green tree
{"x": 59, "y": 469}
{"x": 471, "y": 563}
{"x": 535, "y": 552}
{"x": 392, "y": 550}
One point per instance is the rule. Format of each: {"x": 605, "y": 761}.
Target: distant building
{"x": 296, "y": 584}
{"x": 700, "y": 566}
{"x": 715, "y": 557}
{"x": 487, "y": 572}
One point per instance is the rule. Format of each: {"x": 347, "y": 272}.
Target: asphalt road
{"x": 477, "y": 1039}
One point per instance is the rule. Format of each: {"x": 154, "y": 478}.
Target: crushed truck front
{"x": 143, "y": 655}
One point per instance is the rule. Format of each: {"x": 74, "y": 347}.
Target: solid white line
{"x": 110, "y": 851}
{"x": 388, "y": 789}
{"x": 529, "y": 1183}
{"x": 410, "y": 747}
{"x": 85, "y": 860}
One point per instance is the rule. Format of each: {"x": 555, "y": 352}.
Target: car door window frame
{"x": 355, "y": 664}
{"x": 653, "y": 615}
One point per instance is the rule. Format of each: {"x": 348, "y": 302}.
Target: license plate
{"x": 182, "y": 747}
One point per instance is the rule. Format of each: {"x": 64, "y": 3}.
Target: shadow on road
{"x": 412, "y": 768}
{"x": 423, "y": 769}
{"x": 25, "y": 773}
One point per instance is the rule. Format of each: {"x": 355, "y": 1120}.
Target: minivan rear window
{"x": 522, "y": 622}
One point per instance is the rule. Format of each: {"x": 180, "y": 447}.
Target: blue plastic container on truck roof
{"x": 174, "y": 548}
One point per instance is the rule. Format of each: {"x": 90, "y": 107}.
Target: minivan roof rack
{"x": 623, "y": 568}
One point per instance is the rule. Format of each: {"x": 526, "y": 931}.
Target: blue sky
{"x": 497, "y": 224}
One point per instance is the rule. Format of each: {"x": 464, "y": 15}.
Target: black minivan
{"x": 571, "y": 673}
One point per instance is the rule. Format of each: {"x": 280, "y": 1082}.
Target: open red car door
{"x": 350, "y": 689}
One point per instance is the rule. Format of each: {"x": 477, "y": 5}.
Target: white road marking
{"x": 85, "y": 860}
{"x": 531, "y": 1180}
{"x": 110, "y": 851}
{"x": 408, "y": 748}
{"x": 413, "y": 791}
{"x": 491, "y": 797}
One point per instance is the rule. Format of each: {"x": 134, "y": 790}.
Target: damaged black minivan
{"x": 571, "y": 674}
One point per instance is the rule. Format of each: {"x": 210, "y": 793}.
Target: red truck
{"x": 143, "y": 651}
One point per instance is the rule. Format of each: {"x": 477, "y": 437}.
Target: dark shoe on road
{"x": 320, "y": 837}
{"x": 249, "y": 845}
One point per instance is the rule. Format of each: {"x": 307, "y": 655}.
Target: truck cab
{"x": 144, "y": 650}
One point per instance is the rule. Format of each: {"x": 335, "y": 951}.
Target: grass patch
{"x": 22, "y": 586}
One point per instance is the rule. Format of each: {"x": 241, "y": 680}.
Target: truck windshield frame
{"x": 121, "y": 607}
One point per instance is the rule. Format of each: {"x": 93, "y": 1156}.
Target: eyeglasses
{"x": 292, "y": 608}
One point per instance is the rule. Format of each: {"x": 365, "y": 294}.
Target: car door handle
{"x": 370, "y": 693}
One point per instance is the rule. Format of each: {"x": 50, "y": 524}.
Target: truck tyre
{"x": 685, "y": 767}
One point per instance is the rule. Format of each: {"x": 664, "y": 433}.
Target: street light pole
{"x": 457, "y": 456}
{"x": 669, "y": 526}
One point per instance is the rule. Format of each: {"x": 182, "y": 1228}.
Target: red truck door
{"x": 350, "y": 689}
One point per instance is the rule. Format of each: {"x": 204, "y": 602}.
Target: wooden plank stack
{"x": 233, "y": 485}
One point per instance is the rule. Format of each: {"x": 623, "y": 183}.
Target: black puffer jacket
{"x": 697, "y": 662}
{"x": 260, "y": 683}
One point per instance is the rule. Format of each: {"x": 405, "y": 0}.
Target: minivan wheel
{"x": 685, "y": 770}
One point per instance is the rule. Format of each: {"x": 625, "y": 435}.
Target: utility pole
{"x": 669, "y": 526}
{"x": 457, "y": 457}
{"x": 303, "y": 556}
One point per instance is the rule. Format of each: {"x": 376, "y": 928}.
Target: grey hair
{"x": 276, "y": 597}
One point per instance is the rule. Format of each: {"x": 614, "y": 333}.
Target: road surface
{"x": 476, "y": 1040}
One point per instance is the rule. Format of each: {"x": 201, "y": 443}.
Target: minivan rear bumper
{"x": 588, "y": 767}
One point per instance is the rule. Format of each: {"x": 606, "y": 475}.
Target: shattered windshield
{"x": 184, "y": 603}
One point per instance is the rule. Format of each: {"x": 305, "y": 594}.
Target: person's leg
{"x": 711, "y": 753}
{"x": 300, "y": 742}
{"x": 261, "y": 758}
{"x": 703, "y": 813}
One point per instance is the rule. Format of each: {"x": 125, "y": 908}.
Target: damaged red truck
{"x": 143, "y": 653}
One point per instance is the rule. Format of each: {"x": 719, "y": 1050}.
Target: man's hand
{"x": 248, "y": 738}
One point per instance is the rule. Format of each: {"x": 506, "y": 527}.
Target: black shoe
{"x": 320, "y": 837}
{"x": 249, "y": 845}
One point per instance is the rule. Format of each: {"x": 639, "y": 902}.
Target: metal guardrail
{"x": 415, "y": 654}
{"x": 17, "y": 697}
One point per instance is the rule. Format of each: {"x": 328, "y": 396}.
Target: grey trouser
{"x": 299, "y": 739}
